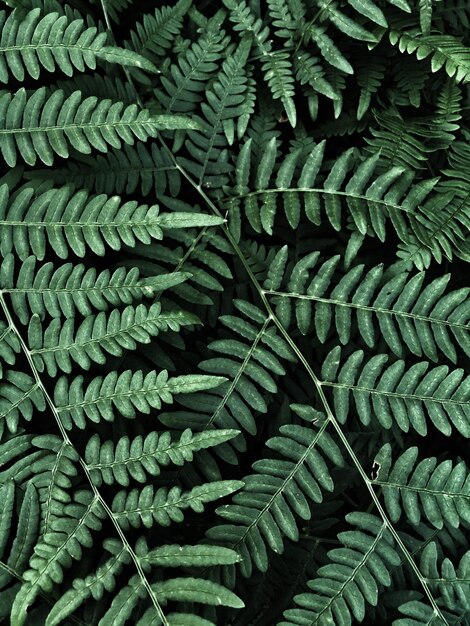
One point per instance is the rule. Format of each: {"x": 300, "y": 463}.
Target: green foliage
{"x": 52, "y": 41}
{"x": 234, "y": 313}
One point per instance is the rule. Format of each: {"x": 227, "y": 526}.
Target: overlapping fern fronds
{"x": 235, "y": 313}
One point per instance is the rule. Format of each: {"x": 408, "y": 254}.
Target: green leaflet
{"x": 73, "y": 531}
{"x": 129, "y": 392}
{"x": 164, "y": 506}
{"x": 107, "y": 124}
{"x": 363, "y": 560}
{"x": 139, "y": 457}
{"x": 393, "y": 394}
{"x": 409, "y": 314}
{"x": 440, "y": 492}
{"x": 445, "y": 51}
{"x": 89, "y": 222}
{"x": 280, "y": 491}
{"x": 55, "y": 347}
{"x": 70, "y": 289}
{"x": 33, "y": 41}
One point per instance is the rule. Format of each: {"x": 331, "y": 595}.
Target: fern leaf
{"x": 163, "y": 506}
{"x": 196, "y": 590}
{"x": 354, "y": 576}
{"x": 126, "y": 392}
{"x": 93, "y": 585}
{"x": 74, "y": 122}
{"x": 396, "y": 394}
{"x": 183, "y": 86}
{"x": 172, "y": 555}
{"x": 9, "y": 346}
{"x": 18, "y": 536}
{"x": 452, "y": 583}
{"x": 280, "y": 491}
{"x": 446, "y": 51}
{"x": 276, "y": 64}
{"x": 369, "y": 77}
{"x": 110, "y": 463}
{"x": 412, "y": 315}
{"x": 144, "y": 168}
{"x": 176, "y": 589}
{"x": 49, "y": 464}
{"x": 33, "y": 41}
{"x": 155, "y": 34}
{"x": 327, "y": 48}
{"x": 438, "y": 492}
{"x": 372, "y": 200}
{"x": 124, "y": 602}
{"x": 421, "y": 614}
{"x": 57, "y": 549}
{"x": 100, "y": 86}
{"x": 69, "y": 289}
{"x": 20, "y": 396}
{"x": 224, "y": 105}
{"x": 85, "y": 222}
{"x": 55, "y": 347}
{"x": 250, "y": 359}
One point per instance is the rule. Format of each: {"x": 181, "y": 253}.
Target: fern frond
{"x": 401, "y": 143}
{"x": 206, "y": 264}
{"x": 145, "y": 168}
{"x": 20, "y": 396}
{"x": 155, "y": 34}
{"x": 46, "y": 462}
{"x": 19, "y": 533}
{"x": 411, "y": 312}
{"x": 446, "y": 52}
{"x": 163, "y": 506}
{"x": 55, "y": 347}
{"x": 370, "y": 75}
{"x": 308, "y": 71}
{"x": 80, "y": 123}
{"x": 69, "y": 289}
{"x": 33, "y": 41}
{"x": 276, "y": 64}
{"x": 225, "y": 103}
{"x": 329, "y": 12}
{"x": 317, "y": 35}
{"x": 76, "y": 221}
{"x": 444, "y": 232}
{"x": 456, "y": 13}
{"x": 250, "y": 359}
{"x": 452, "y": 583}
{"x": 100, "y": 86}
{"x": 183, "y": 589}
{"x": 111, "y": 462}
{"x": 9, "y": 346}
{"x": 95, "y": 585}
{"x": 418, "y": 613}
{"x": 397, "y": 394}
{"x": 410, "y": 77}
{"x": 128, "y": 392}
{"x": 280, "y": 491}
{"x": 173, "y": 555}
{"x": 439, "y": 493}
{"x": 57, "y": 549}
{"x": 372, "y": 199}
{"x": 92, "y": 586}
{"x": 182, "y": 87}
{"x": 354, "y": 577}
